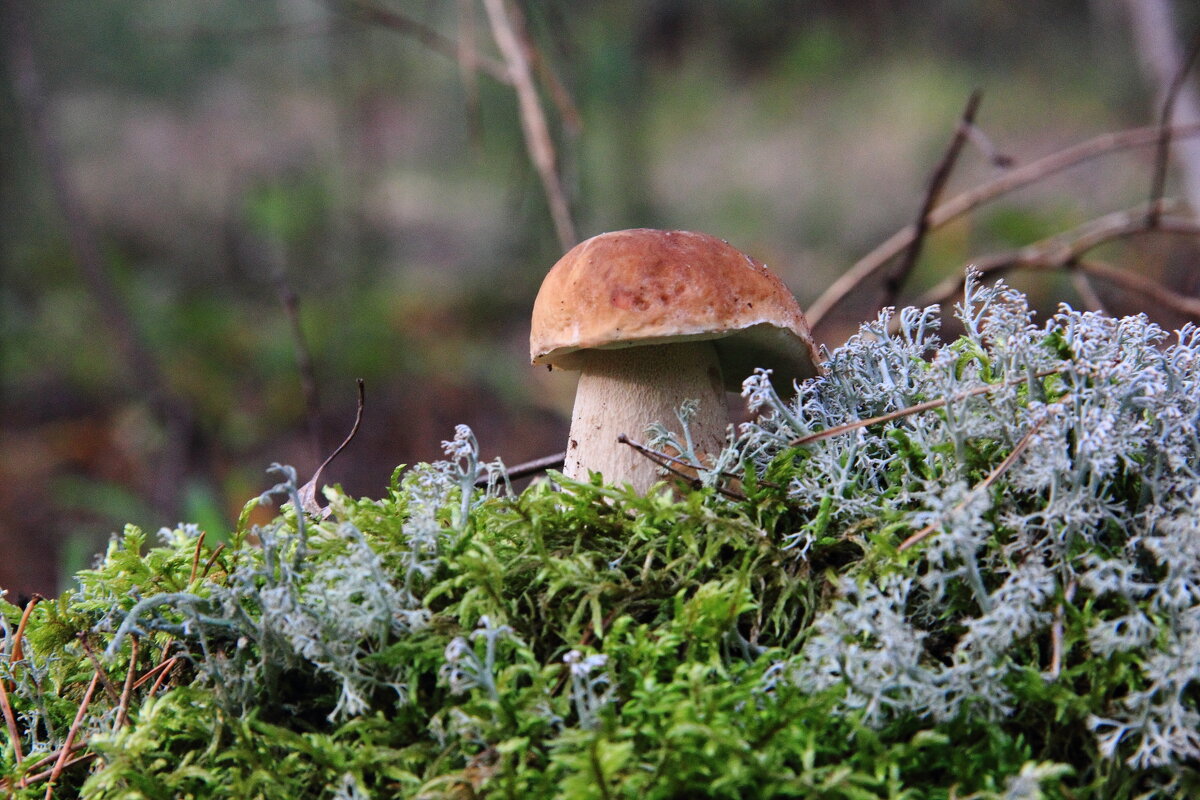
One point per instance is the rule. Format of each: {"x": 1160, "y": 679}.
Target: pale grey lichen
{"x": 1102, "y": 506}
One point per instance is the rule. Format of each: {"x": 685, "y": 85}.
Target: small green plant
{"x": 943, "y": 570}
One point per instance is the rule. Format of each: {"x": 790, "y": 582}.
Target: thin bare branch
{"x": 17, "y": 652}
{"x": 1153, "y": 26}
{"x": 928, "y": 405}
{"x": 529, "y": 468}
{"x": 870, "y": 264}
{"x": 1066, "y": 251}
{"x": 424, "y": 34}
{"x": 533, "y": 121}
{"x": 127, "y": 689}
{"x": 1163, "y": 153}
{"x": 941, "y": 174}
{"x": 105, "y": 682}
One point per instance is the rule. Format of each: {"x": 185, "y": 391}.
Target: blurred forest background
{"x": 216, "y": 216}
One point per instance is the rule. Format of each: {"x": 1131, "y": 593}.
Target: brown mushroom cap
{"x": 642, "y": 286}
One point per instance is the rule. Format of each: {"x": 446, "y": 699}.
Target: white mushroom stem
{"x": 623, "y": 391}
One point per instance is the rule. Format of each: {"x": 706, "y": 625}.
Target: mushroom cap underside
{"x": 646, "y": 287}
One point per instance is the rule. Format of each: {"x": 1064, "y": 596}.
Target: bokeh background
{"x": 216, "y": 216}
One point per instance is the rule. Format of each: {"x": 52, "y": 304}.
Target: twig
{"x": 196, "y": 557}
{"x": 1067, "y": 251}
{"x": 109, "y": 689}
{"x": 1152, "y": 28}
{"x": 156, "y": 671}
{"x": 989, "y": 150}
{"x": 17, "y": 652}
{"x": 529, "y": 467}
{"x": 1163, "y": 152}
{"x": 425, "y": 35}
{"x": 162, "y": 675}
{"x": 212, "y": 559}
{"x": 10, "y": 722}
{"x": 965, "y": 202}
{"x": 928, "y": 405}
{"x": 127, "y": 689}
{"x": 982, "y": 486}
{"x": 1056, "y": 631}
{"x": 894, "y": 281}
{"x": 71, "y": 734}
{"x": 308, "y": 492}
{"x": 533, "y": 121}
{"x": 668, "y": 463}
{"x": 41, "y": 776}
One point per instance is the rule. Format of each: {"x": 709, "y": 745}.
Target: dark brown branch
{"x": 1067, "y": 252}
{"x": 1163, "y": 151}
{"x": 941, "y": 174}
{"x": 669, "y": 463}
{"x": 877, "y": 259}
{"x": 1000, "y": 469}
{"x": 928, "y": 405}
{"x": 528, "y": 468}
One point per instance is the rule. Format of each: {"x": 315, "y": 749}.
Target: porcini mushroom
{"x": 652, "y": 319}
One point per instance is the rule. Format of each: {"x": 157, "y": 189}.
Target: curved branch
{"x": 1017, "y": 178}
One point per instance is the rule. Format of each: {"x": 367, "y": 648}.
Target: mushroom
{"x": 652, "y": 319}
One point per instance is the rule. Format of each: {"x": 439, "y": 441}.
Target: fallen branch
{"x": 870, "y": 264}
{"x": 669, "y": 463}
{"x": 528, "y": 468}
{"x": 61, "y": 763}
{"x": 1066, "y": 251}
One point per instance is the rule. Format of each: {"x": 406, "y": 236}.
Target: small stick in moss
{"x": 11, "y": 722}
{"x": 928, "y": 405}
{"x": 17, "y": 653}
{"x": 1000, "y": 469}
{"x": 196, "y": 556}
{"x": 109, "y": 689}
{"x": 668, "y": 463}
{"x": 127, "y": 689}
{"x": 61, "y": 763}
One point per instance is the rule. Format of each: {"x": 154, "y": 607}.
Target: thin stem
{"x": 982, "y": 486}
